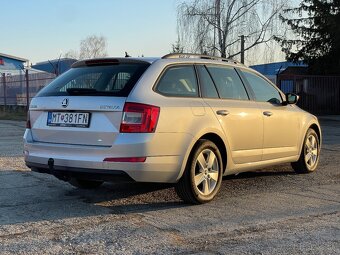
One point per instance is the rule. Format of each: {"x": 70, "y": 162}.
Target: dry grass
{"x": 12, "y": 115}
{"x": 13, "y": 164}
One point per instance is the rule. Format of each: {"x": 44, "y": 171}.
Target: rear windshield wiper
{"x": 87, "y": 91}
{"x": 81, "y": 91}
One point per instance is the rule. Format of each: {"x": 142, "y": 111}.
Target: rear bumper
{"x": 161, "y": 165}
{"x": 154, "y": 169}
{"x": 65, "y": 173}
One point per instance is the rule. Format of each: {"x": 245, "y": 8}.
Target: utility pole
{"x": 217, "y": 22}
{"x": 242, "y": 49}
{"x": 27, "y": 91}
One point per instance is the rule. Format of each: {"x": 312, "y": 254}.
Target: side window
{"x": 178, "y": 81}
{"x": 207, "y": 85}
{"x": 228, "y": 83}
{"x": 263, "y": 90}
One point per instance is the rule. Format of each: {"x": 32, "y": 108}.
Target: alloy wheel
{"x": 206, "y": 172}
{"x": 311, "y": 151}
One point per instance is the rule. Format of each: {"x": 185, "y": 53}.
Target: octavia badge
{"x": 64, "y": 103}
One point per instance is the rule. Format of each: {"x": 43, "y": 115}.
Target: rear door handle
{"x": 222, "y": 112}
{"x": 267, "y": 113}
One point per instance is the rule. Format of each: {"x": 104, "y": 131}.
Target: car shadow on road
{"x": 143, "y": 197}
{"x": 33, "y": 197}
{"x": 263, "y": 173}
{"x": 122, "y": 198}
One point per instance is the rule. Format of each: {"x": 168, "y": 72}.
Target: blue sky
{"x": 42, "y": 29}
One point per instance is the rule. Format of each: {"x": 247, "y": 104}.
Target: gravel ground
{"x": 270, "y": 211}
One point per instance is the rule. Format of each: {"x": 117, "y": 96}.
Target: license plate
{"x": 68, "y": 119}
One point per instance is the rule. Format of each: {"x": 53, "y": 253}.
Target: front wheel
{"x": 203, "y": 174}
{"x": 309, "y": 157}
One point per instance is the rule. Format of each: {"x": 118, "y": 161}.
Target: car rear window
{"x": 102, "y": 80}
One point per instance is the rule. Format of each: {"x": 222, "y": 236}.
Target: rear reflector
{"x": 131, "y": 160}
{"x": 139, "y": 118}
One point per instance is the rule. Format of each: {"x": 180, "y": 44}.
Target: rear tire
{"x": 84, "y": 184}
{"x": 310, "y": 153}
{"x": 202, "y": 177}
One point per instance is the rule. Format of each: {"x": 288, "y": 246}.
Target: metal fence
{"x": 318, "y": 94}
{"x": 18, "y": 90}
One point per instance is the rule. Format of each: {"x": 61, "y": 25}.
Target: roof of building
{"x": 13, "y": 57}
{"x": 56, "y": 60}
{"x": 275, "y": 68}
{"x": 295, "y": 70}
{"x": 57, "y": 66}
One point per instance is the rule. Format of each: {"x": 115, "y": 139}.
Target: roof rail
{"x": 192, "y": 55}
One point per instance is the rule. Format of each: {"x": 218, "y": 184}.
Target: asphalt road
{"x": 270, "y": 211}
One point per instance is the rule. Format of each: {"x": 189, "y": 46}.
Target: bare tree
{"x": 91, "y": 47}
{"x": 177, "y": 47}
{"x": 72, "y": 54}
{"x": 215, "y": 26}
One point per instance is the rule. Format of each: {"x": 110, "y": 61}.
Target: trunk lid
{"x": 105, "y": 114}
{"x": 84, "y": 105}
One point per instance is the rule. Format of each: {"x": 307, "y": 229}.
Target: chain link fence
{"x": 18, "y": 90}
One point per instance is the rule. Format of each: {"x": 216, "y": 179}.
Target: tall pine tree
{"x": 317, "y": 27}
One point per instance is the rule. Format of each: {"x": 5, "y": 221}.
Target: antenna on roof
{"x": 127, "y": 55}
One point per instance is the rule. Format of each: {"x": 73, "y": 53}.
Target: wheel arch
{"x": 301, "y": 165}
{"x": 317, "y": 130}
{"x": 216, "y": 139}
{"x": 211, "y": 136}
{"x": 316, "y": 127}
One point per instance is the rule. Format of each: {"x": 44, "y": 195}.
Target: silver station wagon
{"x": 184, "y": 119}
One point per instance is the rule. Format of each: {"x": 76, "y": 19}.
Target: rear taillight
{"x": 139, "y": 118}
{"x": 28, "y": 121}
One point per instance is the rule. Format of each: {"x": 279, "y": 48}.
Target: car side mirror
{"x": 291, "y": 98}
